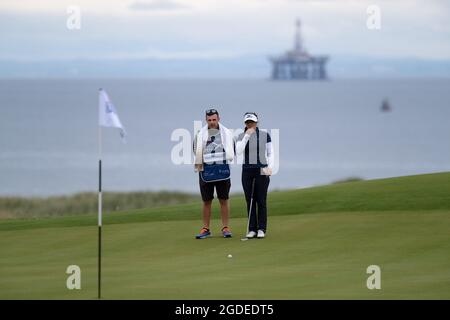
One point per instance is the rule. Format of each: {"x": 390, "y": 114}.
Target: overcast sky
{"x": 210, "y": 29}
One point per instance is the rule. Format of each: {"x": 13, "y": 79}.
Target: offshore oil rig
{"x": 298, "y": 64}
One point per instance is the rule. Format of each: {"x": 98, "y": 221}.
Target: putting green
{"x": 305, "y": 256}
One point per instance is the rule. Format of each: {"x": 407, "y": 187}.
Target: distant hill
{"x": 259, "y": 67}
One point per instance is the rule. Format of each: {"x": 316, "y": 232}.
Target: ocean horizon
{"x": 328, "y": 130}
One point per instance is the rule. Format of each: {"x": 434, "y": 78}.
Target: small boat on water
{"x": 385, "y": 106}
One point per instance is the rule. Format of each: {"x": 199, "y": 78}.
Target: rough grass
{"x": 86, "y": 203}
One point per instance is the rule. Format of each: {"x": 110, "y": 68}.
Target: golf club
{"x": 250, "y": 210}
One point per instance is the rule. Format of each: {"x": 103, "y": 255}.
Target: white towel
{"x": 200, "y": 143}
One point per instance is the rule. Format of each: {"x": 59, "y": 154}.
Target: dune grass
{"x": 86, "y": 203}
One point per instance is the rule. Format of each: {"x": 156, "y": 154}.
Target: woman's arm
{"x": 270, "y": 155}
{"x": 240, "y": 145}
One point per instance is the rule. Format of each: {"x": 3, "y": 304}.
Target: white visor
{"x": 250, "y": 117}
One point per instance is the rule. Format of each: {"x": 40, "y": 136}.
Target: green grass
{"x": 319, "y": 244}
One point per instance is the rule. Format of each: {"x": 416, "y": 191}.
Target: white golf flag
{"x": 108, "y": 116}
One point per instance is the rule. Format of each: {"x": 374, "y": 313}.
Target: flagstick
{"x": 99, "y": 211}
{"x": 107, "y": 117}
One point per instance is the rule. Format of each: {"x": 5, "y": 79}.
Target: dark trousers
{"x": 258, "y": 215}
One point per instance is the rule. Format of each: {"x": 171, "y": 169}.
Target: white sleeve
{"x": 270, "y": 155}
{"x": 240, "y": 145}
{"x": 194, "y": 144}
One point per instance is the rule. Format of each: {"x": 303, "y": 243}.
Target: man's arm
{"x": 197, "y": 166}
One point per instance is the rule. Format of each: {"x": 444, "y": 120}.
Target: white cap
{"x": 250, "y": 117}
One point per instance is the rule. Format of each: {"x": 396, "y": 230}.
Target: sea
{"x": 323, "y": 131}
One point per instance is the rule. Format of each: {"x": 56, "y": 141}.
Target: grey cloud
{"x": 157, "y": 5}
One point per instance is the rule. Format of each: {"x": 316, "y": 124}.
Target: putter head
{"x": 244, "y": 239}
